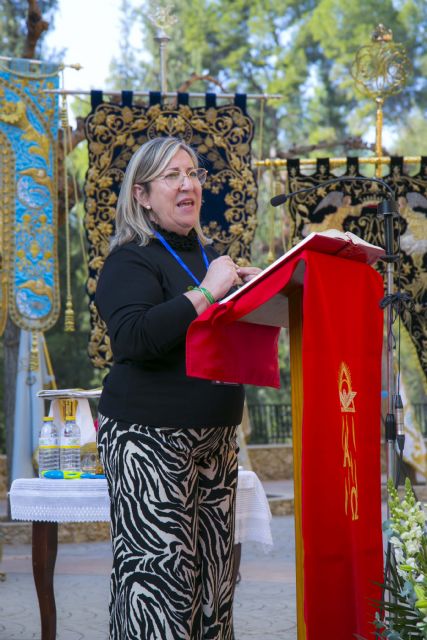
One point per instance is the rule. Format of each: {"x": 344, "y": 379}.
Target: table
{"x": 47, "y": 502}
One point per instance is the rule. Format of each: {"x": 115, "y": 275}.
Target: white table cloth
{"x": 39, "y": 499}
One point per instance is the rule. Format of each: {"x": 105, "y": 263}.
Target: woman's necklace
{"x": 167, "y": 246}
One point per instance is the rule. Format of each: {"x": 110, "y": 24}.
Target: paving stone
{"x": 264, "y": 599}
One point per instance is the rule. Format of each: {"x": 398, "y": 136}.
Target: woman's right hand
{"x": 221, "y": 276}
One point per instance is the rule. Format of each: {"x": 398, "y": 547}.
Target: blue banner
{"x": 28, "y": 135}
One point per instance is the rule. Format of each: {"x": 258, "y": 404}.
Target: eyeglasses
{"x": 175, "y": 179}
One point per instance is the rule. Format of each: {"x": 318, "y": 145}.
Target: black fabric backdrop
{"x": 352, "y": 206}
{"x": 221, "y": 135}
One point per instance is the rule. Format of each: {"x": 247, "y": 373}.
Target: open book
{"x": 333, "y": 242}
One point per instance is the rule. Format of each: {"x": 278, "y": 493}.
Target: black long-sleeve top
{"x": 140, "y": 297}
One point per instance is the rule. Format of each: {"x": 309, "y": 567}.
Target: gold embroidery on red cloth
{"x": 348, "y": 426}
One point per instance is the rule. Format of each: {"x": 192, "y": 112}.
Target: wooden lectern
{"x": 325, "y": 291}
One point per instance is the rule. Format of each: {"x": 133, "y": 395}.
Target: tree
{"x": 300, "y": 49}
{"x": 23, "y": 24}
{"x": 303, "y": 50}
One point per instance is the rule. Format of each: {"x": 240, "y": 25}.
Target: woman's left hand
{"x": 248, "y": 273}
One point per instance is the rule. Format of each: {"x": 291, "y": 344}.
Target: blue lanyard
{"x": 179, "y": 259}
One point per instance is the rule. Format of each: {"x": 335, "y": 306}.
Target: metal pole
{"x": 162, "y": 38}
{"x": 388, "y": 209}
{"x": 390, "y": 418}
{"x": 166, "y": 94}
{"x": 77, "y": 66}
{"x": 162, "y": 19}
{"x": 333, "y": 162}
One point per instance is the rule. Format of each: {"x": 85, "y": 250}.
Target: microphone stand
{"x": 388, "y": 209}
{"x": 394, "y": 424}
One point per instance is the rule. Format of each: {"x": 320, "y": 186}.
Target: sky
{"x": 89, "y": 30}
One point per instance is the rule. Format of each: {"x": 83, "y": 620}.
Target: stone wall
{"x": 15, "y": 533}
{"x": 275, "y": 461}
{"x": 272, "y": 462}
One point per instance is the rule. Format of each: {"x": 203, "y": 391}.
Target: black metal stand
{"x": 388, "y": 209}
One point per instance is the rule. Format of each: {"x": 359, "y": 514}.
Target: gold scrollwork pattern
{"x": 349, "y": 442}
{"x": 222, "y": 137}
{"x": 381, "y": 68}
{"x": 352, "y": 206}
{"x": 29, "y": 127}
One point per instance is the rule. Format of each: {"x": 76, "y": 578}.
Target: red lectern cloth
{"x": 341, "y": 476}
{"x": 341, "y": 500}
{"x": 219, "y": 347}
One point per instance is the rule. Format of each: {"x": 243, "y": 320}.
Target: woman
{"x": 167, "y": 442}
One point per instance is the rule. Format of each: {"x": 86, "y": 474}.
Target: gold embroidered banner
{"x": 222, "y": 137}
{"x": 352, "y": 206}
{"x": 28, "y": 170}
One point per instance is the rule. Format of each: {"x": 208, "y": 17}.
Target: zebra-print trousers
{"x": 172, "y": 494}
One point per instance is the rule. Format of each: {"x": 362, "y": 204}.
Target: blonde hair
{"x": 132, "y": 218}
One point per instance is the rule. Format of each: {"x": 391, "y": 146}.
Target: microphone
{"x": 387, "y": 208}
{"x": 282, "y": 197}
{"x": 398, "y": 409}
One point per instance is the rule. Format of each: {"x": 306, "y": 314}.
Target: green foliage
{"x": 68, "y": 351}
{"x": 412, "y": 376}
{"x": 411, "y": 137}
{"x": 13, "y": 24}
{"x": 302, "y": 50}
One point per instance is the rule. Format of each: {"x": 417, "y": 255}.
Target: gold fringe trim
{"x": 34, "y": 352}
{"x": 69, "y": 323}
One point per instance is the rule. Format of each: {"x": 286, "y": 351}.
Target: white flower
{"x": 411, "y": 563}
{"x": 396, "y": 542}
{"x": 398, "y": 554}
{"x": 412, "y": 547}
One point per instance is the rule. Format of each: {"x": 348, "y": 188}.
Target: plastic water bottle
{"x": 69, "y": 445}
{"x": 48, "y": 446}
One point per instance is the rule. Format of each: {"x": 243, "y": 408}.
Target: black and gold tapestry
{"x": 222, "y": 137}
{"x": 352, "y": 206}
